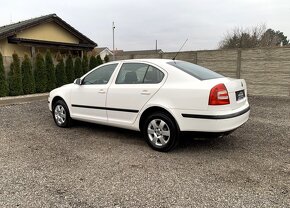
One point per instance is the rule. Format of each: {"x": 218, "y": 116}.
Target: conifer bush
{"x": 50, "y": 71}
{"x": 85, "y": 64}
{"x": 78, "y": 67}
{"x": 3, "y": 81}
{"x": 106, "y": 59}
{"x": 60, "y": 73}
{"x": 40, "y": 74}
{"x": 69, "y": 69}
{"x": 93, "y": 62}
{"x": 28, "y": 83}
{"x": 15, "y": 77}
{"x": 99, "y": 60}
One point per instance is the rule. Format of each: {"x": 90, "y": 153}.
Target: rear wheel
{"x": 161, "y": 132}
{"x": 61, "y": 114}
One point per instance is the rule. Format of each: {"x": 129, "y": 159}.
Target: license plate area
{"x": 240, "y": 95}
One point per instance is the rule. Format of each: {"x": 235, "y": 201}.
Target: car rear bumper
{"x": 226, "y": 116}
{"x": 212, "y": 123}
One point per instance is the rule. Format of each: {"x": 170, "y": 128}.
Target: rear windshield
{"x": 194, "y": 70}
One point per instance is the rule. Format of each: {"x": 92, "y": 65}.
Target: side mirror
{"x": 78, "y": 81}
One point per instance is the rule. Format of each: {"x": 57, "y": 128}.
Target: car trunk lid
{"x": 237, "y": 91}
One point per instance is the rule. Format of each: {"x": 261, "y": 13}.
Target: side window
{"x": 131, "y": 73}
{"x": 101, "y": 75}
{"x": 153, "y": 75}
{"x": 137, "y": 73}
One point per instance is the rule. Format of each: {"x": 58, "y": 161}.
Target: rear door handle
{"x": 101, "y": 91}
{"x": 145, "y": 92}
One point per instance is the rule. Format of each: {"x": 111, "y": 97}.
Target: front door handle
{"x": 145, "y": 92}
{"x": 101, "y": 91}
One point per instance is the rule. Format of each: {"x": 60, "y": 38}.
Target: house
{"x": 42, "y": 33}
{"x": 104, "y": 51}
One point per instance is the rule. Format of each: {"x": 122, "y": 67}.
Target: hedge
{"x": 42, "y": 75}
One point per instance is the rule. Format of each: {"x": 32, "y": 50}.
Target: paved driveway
{"x": 88, "y": 165}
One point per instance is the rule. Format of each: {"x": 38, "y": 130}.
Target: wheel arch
{"x": 154, "y": 109}
{"x": 55, "y": 99}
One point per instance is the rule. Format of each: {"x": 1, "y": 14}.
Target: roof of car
{"x": 154, "y": 61}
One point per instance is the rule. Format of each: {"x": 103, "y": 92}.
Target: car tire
{"x": 161, "y": 132}
{"x": 61, "y": 114}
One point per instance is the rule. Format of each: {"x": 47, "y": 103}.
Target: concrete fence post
{"x": 195, "y": 57}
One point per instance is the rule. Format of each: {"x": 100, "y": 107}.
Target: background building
{"x": 40, "y": 34}
{"x": 102, "y": 52}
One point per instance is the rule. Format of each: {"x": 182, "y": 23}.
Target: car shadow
{"x": 196, "y": 143}
{"x": 188, "y": 142}
{"x": 115, "y": 131}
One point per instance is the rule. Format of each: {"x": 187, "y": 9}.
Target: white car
{"x": 159, "y": 97}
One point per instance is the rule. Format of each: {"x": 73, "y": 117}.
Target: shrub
{"x": 85, "y": 64}
{"x": 28, "y": 83}
{"x": 106, "y": 59}
{"x": 78, "y": 67}
{"x": 60, "y": 74}
{"x": 14, "y": 77}
{"x": 69, "y": 69}
{"x": 93, "y": 62}
{"x": 50, "y": 71}
{"x": 3, "y": 82}
{"x": 40, "y": 74}
{"x": 99, "y": 60}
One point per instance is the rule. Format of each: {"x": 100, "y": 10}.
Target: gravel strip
{"x": 90, "y": 165}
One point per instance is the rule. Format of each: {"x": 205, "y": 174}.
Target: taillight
{"x": 219, "y": 95}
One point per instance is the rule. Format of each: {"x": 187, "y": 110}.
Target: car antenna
{"x": 180, "y": 49}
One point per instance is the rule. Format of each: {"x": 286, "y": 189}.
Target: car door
{"x": 135, "y": 84}
{"x": 88, "y": 100}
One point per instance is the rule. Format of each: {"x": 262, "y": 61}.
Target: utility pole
{"x": 156, "y": 46}
{"x": 113, "y": 41}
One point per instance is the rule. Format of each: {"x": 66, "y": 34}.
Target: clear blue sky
{"x": 140, "y": 23}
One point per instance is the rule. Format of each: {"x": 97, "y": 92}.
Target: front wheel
{"x": 161, "y": 132}
{"x": 61, "y": 114}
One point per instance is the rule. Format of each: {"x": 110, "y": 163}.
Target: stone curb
{"x": 23, "y": 99}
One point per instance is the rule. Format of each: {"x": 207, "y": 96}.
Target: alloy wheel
{"x": 60, "y": 114}
{"x": 158, "y": 132}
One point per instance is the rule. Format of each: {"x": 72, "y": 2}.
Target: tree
{"x": 60, "y": 73}
{"x": 252, "y": 38}
{"x": 50, "y": 71}
{"x": 15, "y": 77}
{"x": 28, "y": 82}
{"x": 40, "y": 74}
{"x": 106, "y": 59}
{"x": 78, "y": 67}
{"x": 3, "y": 81}
{"x": 93, "y": 62}
{"x": 69, "y": 69}
{"x": 243, "y": 38}
{"x": 273, "y": 38}
{"x": 85, "y": 64}
{"x": 99, "y": 60}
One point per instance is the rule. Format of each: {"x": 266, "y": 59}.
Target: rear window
{"x": 194, "y": 70}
